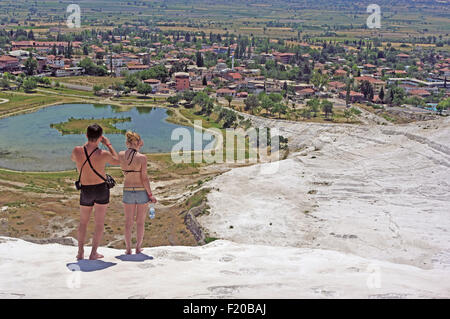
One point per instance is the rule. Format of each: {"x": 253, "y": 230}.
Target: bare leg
{"x": 140, "y": 224}
{"x": 129, "y": 218}
{"x": 99, "y": 218}
{"x": 85, "y": 214}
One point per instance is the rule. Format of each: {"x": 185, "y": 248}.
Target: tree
{"x": 45, "y": 81}
{"x": 209, "y": 107}
{"x": 174, "y": 99}
{"x": 204, "y": 82}
{"x": 319, "y": 80}
{"x": 395, "y": 96}
{"x": 4, "y": 83}
{"x": 144, "y": 88}
{"x": 347, "y": 95}
{"x": 91, "y": 68}
{"x": 97, "y": 89}
{"x": 229, "y": 119}
{"x": 314, "y": 105}
{"x": 348, "y": 114}
{"x": 306, "y": 113}
{"x": 117, "y": 86}
{"x": 199, "y": 58}
{"x": 69, "y": 51}
{"x": 367, "y": 89}
{"x": 29, "y": 85}
{"x": 157, "y": 72}
{"x": 31, "y": 35}
{"x": 54, "y": 51}
{"x": 443, "y": 105}
{"x": 229, "y": 98}
{"x": 381, "y": 94}
{"x": 279, "y": 108}
{"x": 327, "y": 107}
{"x": 415, "y": 100}
{"x": 131, "y": 81}
{"x": 275, "y": 97}
{"x": 251, "y": 103}
{"x": 201, "y": 98}
{"x": 189, "y": 95}
{"x": 205, "y": 102}
{"x": 390, "y": 97}
{"x": 267, "y": 103}
{"x": 30, "y": 65}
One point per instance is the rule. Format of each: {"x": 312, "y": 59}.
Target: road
{"x": 75, "y": 86}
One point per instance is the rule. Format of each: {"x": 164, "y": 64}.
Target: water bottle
{"x": 151, "y": 211}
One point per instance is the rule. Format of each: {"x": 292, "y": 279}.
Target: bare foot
{"x": 96, "y": 256}
{"x": 139, "y": 250}
{"x": 128, "y": 252}
{"x": 80, "y": 255}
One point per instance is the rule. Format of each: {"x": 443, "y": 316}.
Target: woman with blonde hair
{"x": 136, "y": 189}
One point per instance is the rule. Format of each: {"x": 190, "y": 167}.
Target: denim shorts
{"x": 135, "y": 197}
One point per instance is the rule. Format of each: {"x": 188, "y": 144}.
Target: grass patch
{"x": 89, "y": 80}
{"x": 210, "y": 239}
{"x": 196, "y": 199}
{"x": 78, "y": 126}
{"x": 23, "y": 102}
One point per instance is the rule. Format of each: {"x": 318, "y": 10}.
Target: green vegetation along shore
{"x": 78, "y": 126}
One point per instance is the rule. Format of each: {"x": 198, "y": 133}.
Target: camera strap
{"x": 90, "y": 164}
{"x": 87, "y": 159}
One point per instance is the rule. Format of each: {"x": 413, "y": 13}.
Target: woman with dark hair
{"x": 94, "y": 192}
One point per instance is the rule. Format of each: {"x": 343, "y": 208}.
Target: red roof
{"x": 353, "y": 93}
{"x": 75, "y": 44}
{"x": 235, "y": 76}
{"x": 340, "y": 72}
{"x": 152, "y": 81}
{"x": 369, "y": 79}
{"x": 137, "y": 66}
{"x": 336, "y": 84}
{"x": 225, "y": 90}
{"x": 419, "y": 92}
{"x": 305, "y": 91}
{"x": 6, "y": 58}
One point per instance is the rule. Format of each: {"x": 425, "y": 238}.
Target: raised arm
{"x": 113, "y": 157}
{"x": 145, "y": 180}
{"x": 73, "y": 157}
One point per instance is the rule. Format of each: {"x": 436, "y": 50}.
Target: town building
{"x": 182, "y": 81}
{"x": 376, "y": 83}
{"x": 154, "y": 83}
{"x": 9, "y": 64}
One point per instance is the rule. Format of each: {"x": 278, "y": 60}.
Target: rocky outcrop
{"x": 193, "y": 225}
{"x": 68, "y": 241}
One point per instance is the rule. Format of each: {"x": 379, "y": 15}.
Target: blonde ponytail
{"x": 132, "y": 137}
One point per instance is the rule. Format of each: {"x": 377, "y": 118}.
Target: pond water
{"x": 28, "y": 143}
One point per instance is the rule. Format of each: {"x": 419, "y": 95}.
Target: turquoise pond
{"x": 28, "y": 143}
